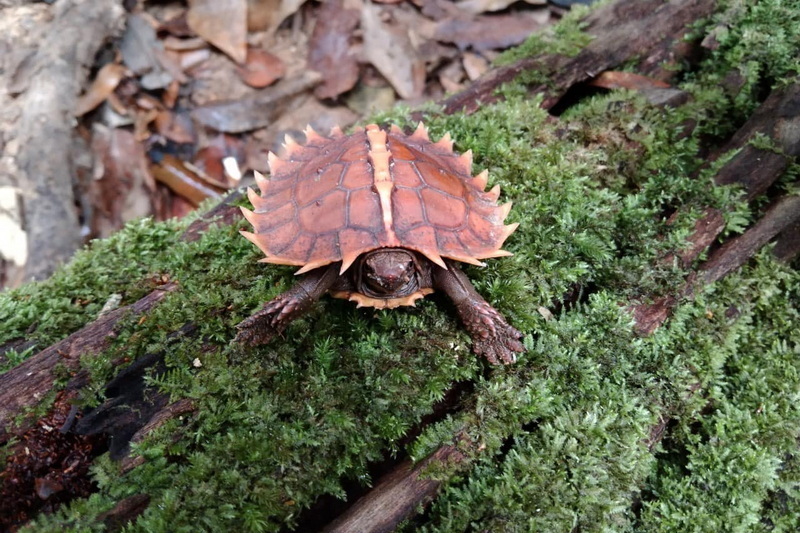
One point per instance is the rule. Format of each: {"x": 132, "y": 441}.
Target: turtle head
{"x": 389, "y": 273}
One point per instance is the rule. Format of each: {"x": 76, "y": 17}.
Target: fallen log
{"x": 620, "y": 31}
{"x": 28, "y": 383}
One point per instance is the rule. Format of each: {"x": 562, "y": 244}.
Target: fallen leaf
{"x": 245, "y": 114}
{"x": 481, "y": 6}
{"x": 474, "y": 65}
{"x": 330, "y": 53}
{"x": 611, "y": 79}
{"x": 261, "y": 68}
{"x": 176, "y": 26}
{"x": 389, "y": 49}
{"x": 176, "y": 127}
{"x": 450, "y": 76}
{"x": 485, "y": 32}
{"x": 139, "y": 44}
{"x": 267, "y": 15}
{"x": 209, "y": 160}
{"x": 102, "y": 87}
{"x": 141, "y": 124}
{"x": 170, "y": 95}
{"x": 121, "y": 185}
{"x": 261, "y": 13}
{"x": 46, "y": 487}
{"x": 223, "y": 23}
{"x": 176, "y": 43}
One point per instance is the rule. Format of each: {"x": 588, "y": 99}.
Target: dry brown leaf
{"x": 120, "y": 190}
{"x": 626, "y": 80}
{"x": 451, "y": 76}
{"x": 170, "y": 96}
{"x": 141, "y": 123}
{"x": 474, "y": 65}
{"x": 330, "y": 52}
{"x": 179, "y": 44}
{"x": 267, "y": 15}
{"x": 139, "y": 44}
{"x": 245, "y": 114}
{"x": 389, "y": 49}
{"x": 481, "y": 6}
{"x": 261, "y": 68}
{"x": 223, "y": 23}
{"x": 209, "y": 160}
{"x": 176, "y": 127}
{"x": 103, "y": 85}
{"x": 486, "y": 32}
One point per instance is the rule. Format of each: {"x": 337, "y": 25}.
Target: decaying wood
{"x": 41, "y": 156}
{"x": 776, "y": 120}
{"x": 397, "y": 495}
{"x": 125, "y": 511}
{"x": 621, "y": 31}
{"x": 783, "y": 214}
{"x": 224, "y": 213}
{"x": 173, "y": 410}
{"x": 787, "y": 245}
{"x": 26, "y": 384}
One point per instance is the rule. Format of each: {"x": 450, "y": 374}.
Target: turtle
{"x": 381, "y": 218}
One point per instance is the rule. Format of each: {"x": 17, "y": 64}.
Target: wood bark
{"x": 397, "y": 495}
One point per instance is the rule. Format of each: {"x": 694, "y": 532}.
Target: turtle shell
{"x": 337, "y": 197}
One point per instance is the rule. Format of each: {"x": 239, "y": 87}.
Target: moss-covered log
{"x": 691, "y": 426}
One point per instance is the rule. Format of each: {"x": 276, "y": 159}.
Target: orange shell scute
{"x": 339, "y": 196}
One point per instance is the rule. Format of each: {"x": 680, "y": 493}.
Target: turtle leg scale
{"x": 279, "y": 312}
{"x": 492, "y": 336}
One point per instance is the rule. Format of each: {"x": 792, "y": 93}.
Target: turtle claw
{"x": 273, "y": 318}
{"x": 492, "y": 337}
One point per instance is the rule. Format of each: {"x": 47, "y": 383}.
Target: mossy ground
{"x": 563, "y": 433}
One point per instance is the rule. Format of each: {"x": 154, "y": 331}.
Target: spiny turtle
{"x": 380, "y": 218}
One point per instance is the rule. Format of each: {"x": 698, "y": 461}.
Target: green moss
{"x": 44, "y": 311}
{"x": 562, "y": 440}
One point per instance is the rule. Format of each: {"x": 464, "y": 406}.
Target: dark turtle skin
{"x": 382, "y": 219}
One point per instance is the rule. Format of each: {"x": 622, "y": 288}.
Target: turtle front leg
{"x": 492, "y": 336}
{"x": 279, "y": 312}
